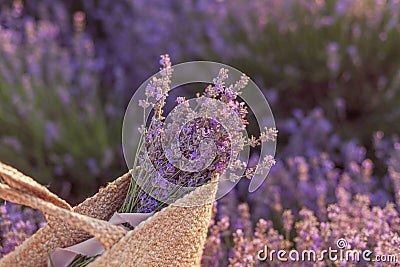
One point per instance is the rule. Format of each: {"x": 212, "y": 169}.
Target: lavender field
{"x": 330, "y": 71}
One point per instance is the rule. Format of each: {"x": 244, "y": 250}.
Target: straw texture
{"x": 103, "y": 231}
{"x": 174, "y": 236}
{"x": 26, "y": 184}
{"x": 57, "y": 233}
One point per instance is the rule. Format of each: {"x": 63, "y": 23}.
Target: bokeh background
{"x": 329, "y": 69}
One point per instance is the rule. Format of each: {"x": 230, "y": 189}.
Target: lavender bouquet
{"x": 206, "y": 148}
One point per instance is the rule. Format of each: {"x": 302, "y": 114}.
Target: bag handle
{"x": 26, "y": 184}
{"x": 106, "y": 233}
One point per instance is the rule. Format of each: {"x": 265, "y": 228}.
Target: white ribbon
{"x": 62, "y": 257}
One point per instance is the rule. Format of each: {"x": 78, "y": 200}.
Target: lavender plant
{"x": 17, "y": 224}
{"x": 353, "y": 217}
{"x": 309, "y": 203}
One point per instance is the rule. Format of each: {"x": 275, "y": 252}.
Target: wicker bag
{"x": 174, "y": 236}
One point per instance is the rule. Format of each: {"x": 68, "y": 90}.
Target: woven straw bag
{"x": 174, "y": 236}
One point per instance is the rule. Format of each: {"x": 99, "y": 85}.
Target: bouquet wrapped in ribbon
{"x": 158, "y": 213}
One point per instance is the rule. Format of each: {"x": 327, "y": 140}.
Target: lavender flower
{"x": 363, "y": 227}
{"x": 17, "y": 224}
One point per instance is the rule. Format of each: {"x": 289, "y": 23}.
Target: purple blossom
{"x": 17, "y": 224}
